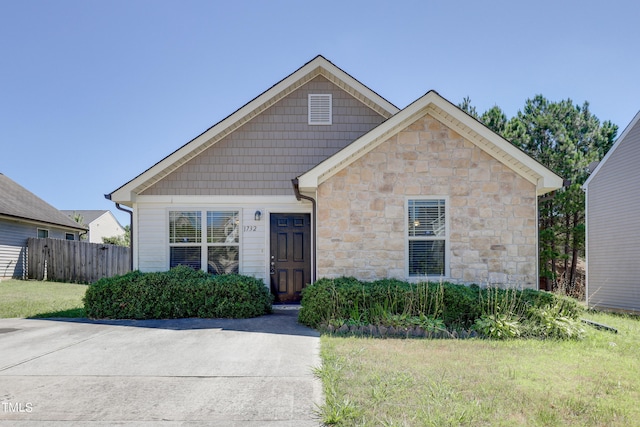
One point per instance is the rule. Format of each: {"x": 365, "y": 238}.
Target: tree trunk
{"x": 554, "y": 270}
{"x": 567, "y": 249}
{"x": 574, "y": 255}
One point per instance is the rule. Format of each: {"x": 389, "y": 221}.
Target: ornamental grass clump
{"x": 502, "y": 312}
{"x": 510, "y": 313}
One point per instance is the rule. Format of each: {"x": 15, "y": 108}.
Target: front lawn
{"x": 475, "y": 382}
{"x": 27, "y": 298}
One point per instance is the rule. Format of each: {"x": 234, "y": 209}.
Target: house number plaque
{"x": 250, "y": 228}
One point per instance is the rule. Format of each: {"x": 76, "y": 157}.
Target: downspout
{"x": 108, "y": 197}
{"x": 296, "y": 190}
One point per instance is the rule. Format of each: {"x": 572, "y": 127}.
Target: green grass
{"x": 417, "y": 382}
{"x": 25, "y": 298}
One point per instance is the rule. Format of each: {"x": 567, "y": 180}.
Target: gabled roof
{"x": 622, "y": 137}
{"x": 319, "y": 66}
{"x": 447, "y": 113}
{"x": 88, "y": 216}
{"x": 17, "y": 202}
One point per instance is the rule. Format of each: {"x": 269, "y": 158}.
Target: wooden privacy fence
{"x": 75, "y": 261}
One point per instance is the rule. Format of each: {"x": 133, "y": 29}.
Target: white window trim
{"x": 320, "y": 118}
{"x": 42, "y": 229}
{"x": 66, "y": 236}
{"x": 203, "y": 244}
{"x": 446, "y": 238}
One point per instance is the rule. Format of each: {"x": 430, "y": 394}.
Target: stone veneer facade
{"x": 491, "y": 210}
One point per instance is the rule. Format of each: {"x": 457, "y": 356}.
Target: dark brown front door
{"x": 290, "y": 255}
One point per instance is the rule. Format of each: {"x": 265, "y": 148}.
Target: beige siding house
{"x": 613, "y": 225}
{"x": 101, "y": 224}
{"x": 319, "y": 176}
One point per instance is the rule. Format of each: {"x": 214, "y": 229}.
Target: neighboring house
{"x": 101, "y": 224}
{"x": 24, "y": 215}
{"x": 613, "y": 225}
{"x": 319, "y": 176}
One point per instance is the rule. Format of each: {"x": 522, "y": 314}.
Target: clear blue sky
{"x": 92, "y": 93}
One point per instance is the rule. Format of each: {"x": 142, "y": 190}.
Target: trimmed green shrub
{"x": 325, "y": 300}
{"x": 178, "y": 293}
{"x": 347, "y": 298}
{"x": 461, "y": 304}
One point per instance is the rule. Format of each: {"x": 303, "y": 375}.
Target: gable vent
{"x": 319, "y": 109}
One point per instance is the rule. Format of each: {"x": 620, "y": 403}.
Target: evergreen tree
{"x": 468, "y": 108}
{"x": 495, "y": 119}
{"x": 565, "y": 138}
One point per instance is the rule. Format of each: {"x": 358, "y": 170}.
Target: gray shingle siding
{"x": 13, "y": 242}
{"x": 262, "y": 156}
{"x": 613, "y": 228}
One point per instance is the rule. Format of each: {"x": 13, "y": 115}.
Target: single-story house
{"x": 101, "y": 223}
{"x": 319, "y": 176}
{"x": 24, "y": 215}
{"x": 613, "y": 225}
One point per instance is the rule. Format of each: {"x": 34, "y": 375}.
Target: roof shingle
{"x": 18, "y": 202}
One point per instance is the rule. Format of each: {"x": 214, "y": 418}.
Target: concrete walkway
{"x": 218, "y": 372}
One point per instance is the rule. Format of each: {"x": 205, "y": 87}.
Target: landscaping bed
{"x": 437, "y": 310}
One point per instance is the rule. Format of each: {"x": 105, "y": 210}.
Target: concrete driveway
{"x": 218, "y": 372}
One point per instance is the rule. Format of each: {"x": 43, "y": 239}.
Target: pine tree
{"x": 565, "y": 138}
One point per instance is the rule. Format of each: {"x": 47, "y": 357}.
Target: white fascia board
{"x": 124, "y": 193}
{"x": 546, "y": 184}
{"x": 123, "y": 196}
{"x": 319, "y": 65}
{"x": 358, "y": 87}
{"x": 218, "y": 200}
{"x": 621, "y": 138}
{"x": 310, "y": 180}
{"x": 547, "y": 181}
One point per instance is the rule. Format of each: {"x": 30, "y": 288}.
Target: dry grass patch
{"x": 405, "y": 382}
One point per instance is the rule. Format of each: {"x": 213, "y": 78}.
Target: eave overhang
{"x": 319, "y": 66}
{"x": 453, "y": 117}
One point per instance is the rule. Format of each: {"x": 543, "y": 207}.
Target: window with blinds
{"x": 185, "y": 227}
{"x": 223, "y": 238}
{"x": 222, "y": 227}
{"x": 426, "y": 237}
{"x": 218, "y": 251}
{"x": 185, "y": 231}
{"x": 320, "y": 106}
